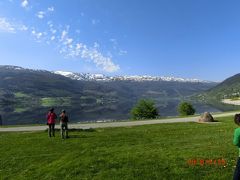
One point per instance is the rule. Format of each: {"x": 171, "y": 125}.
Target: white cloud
{"x": 37, "y": 35}
{"x": 80, "y": 50}
{"x": 64, "y": 34}
{"x": 24, "y": 3}
{"x": 23, "y": 28}
{"x": 78, "y": 46}
{"x": 6, "y": 26}
{"x": 71, "y": 49}
{"x": 41, "y": 14}
{"x": 51, "y": 28}
{"x": 101, "y": 61}
{"x": 11, "y": 27}
{"x": 96, "y": 45}
{"x": 53, "y": 31}
{"x": 50, "y": 24}
{"x": 114, "y": 42}
{"x": 122, "y": 52}
{"x": 67, "y": 46}
{"x": 68, "y": 41}
{"x": 51, "y": 9}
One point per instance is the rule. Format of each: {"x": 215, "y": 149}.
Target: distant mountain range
{"x": 102, "y": 77}
{"x": 26, "y": 94}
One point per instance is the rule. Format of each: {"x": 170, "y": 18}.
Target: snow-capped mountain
{"x": 18, "y": 68}
{"x": 102, "y": 77}
{"x": 83, "y": 76}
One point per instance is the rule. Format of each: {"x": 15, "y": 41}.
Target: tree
{"x": 144, "y": 109}
{"x": 186, "y": 109}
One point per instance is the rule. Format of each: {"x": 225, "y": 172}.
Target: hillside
{"x": 228, "y": 89}
{"x": 27, "y": 94}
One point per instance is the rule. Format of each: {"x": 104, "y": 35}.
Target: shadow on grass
{"x": 82, "y": 130}
{"x": 75, "y": 136}
{"x": 75, "y": 130}
{"x": 212, "y": 122}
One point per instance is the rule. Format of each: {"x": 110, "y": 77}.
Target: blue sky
{"x": 187, "y": 38}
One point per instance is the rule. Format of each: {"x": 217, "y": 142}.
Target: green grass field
{"x": 144, "y": 152}
{"x": 59, "y": 101}
{"x": 21, "y": 95}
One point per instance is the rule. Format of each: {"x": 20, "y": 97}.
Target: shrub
{"x": 186, "y": 109}
{"x": 144, "y": 109}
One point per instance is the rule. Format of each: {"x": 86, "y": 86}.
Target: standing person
{"x": 51, "y": 120}
{"x": 64, "y": 124}
{"x": 236, "y": 142}
{"x": 1, "y": 123}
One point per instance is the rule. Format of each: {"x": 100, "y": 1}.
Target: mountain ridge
{"x": 229, "y": 89}
{"x": 102, "y": 77}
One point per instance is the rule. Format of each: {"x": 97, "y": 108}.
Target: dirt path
{"x": 112, "y": 124}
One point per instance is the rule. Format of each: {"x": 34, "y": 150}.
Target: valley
{"x": 26, "y": 96}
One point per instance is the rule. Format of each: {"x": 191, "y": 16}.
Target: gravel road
{"x": 111, "y": 124}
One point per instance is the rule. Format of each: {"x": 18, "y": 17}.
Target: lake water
{"x": 77, "y": 113}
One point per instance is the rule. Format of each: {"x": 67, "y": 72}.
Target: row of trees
{"x": 146, "y": 109}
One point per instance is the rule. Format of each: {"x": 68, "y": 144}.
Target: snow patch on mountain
{"x": 102, "y": 77}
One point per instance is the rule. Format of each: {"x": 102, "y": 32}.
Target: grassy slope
{"x": 144, "y": 152}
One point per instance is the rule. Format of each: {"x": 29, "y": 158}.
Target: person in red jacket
{"x": 51, "y": 120}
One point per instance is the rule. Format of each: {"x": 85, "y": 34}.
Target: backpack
{"x": 64, "y": 118}
{"x": 237, "y": 118}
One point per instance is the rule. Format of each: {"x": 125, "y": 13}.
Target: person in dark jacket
{"x": 64, "y": 124}
{"x": 1, "y": 123}
{"x": 51, "y": 120}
